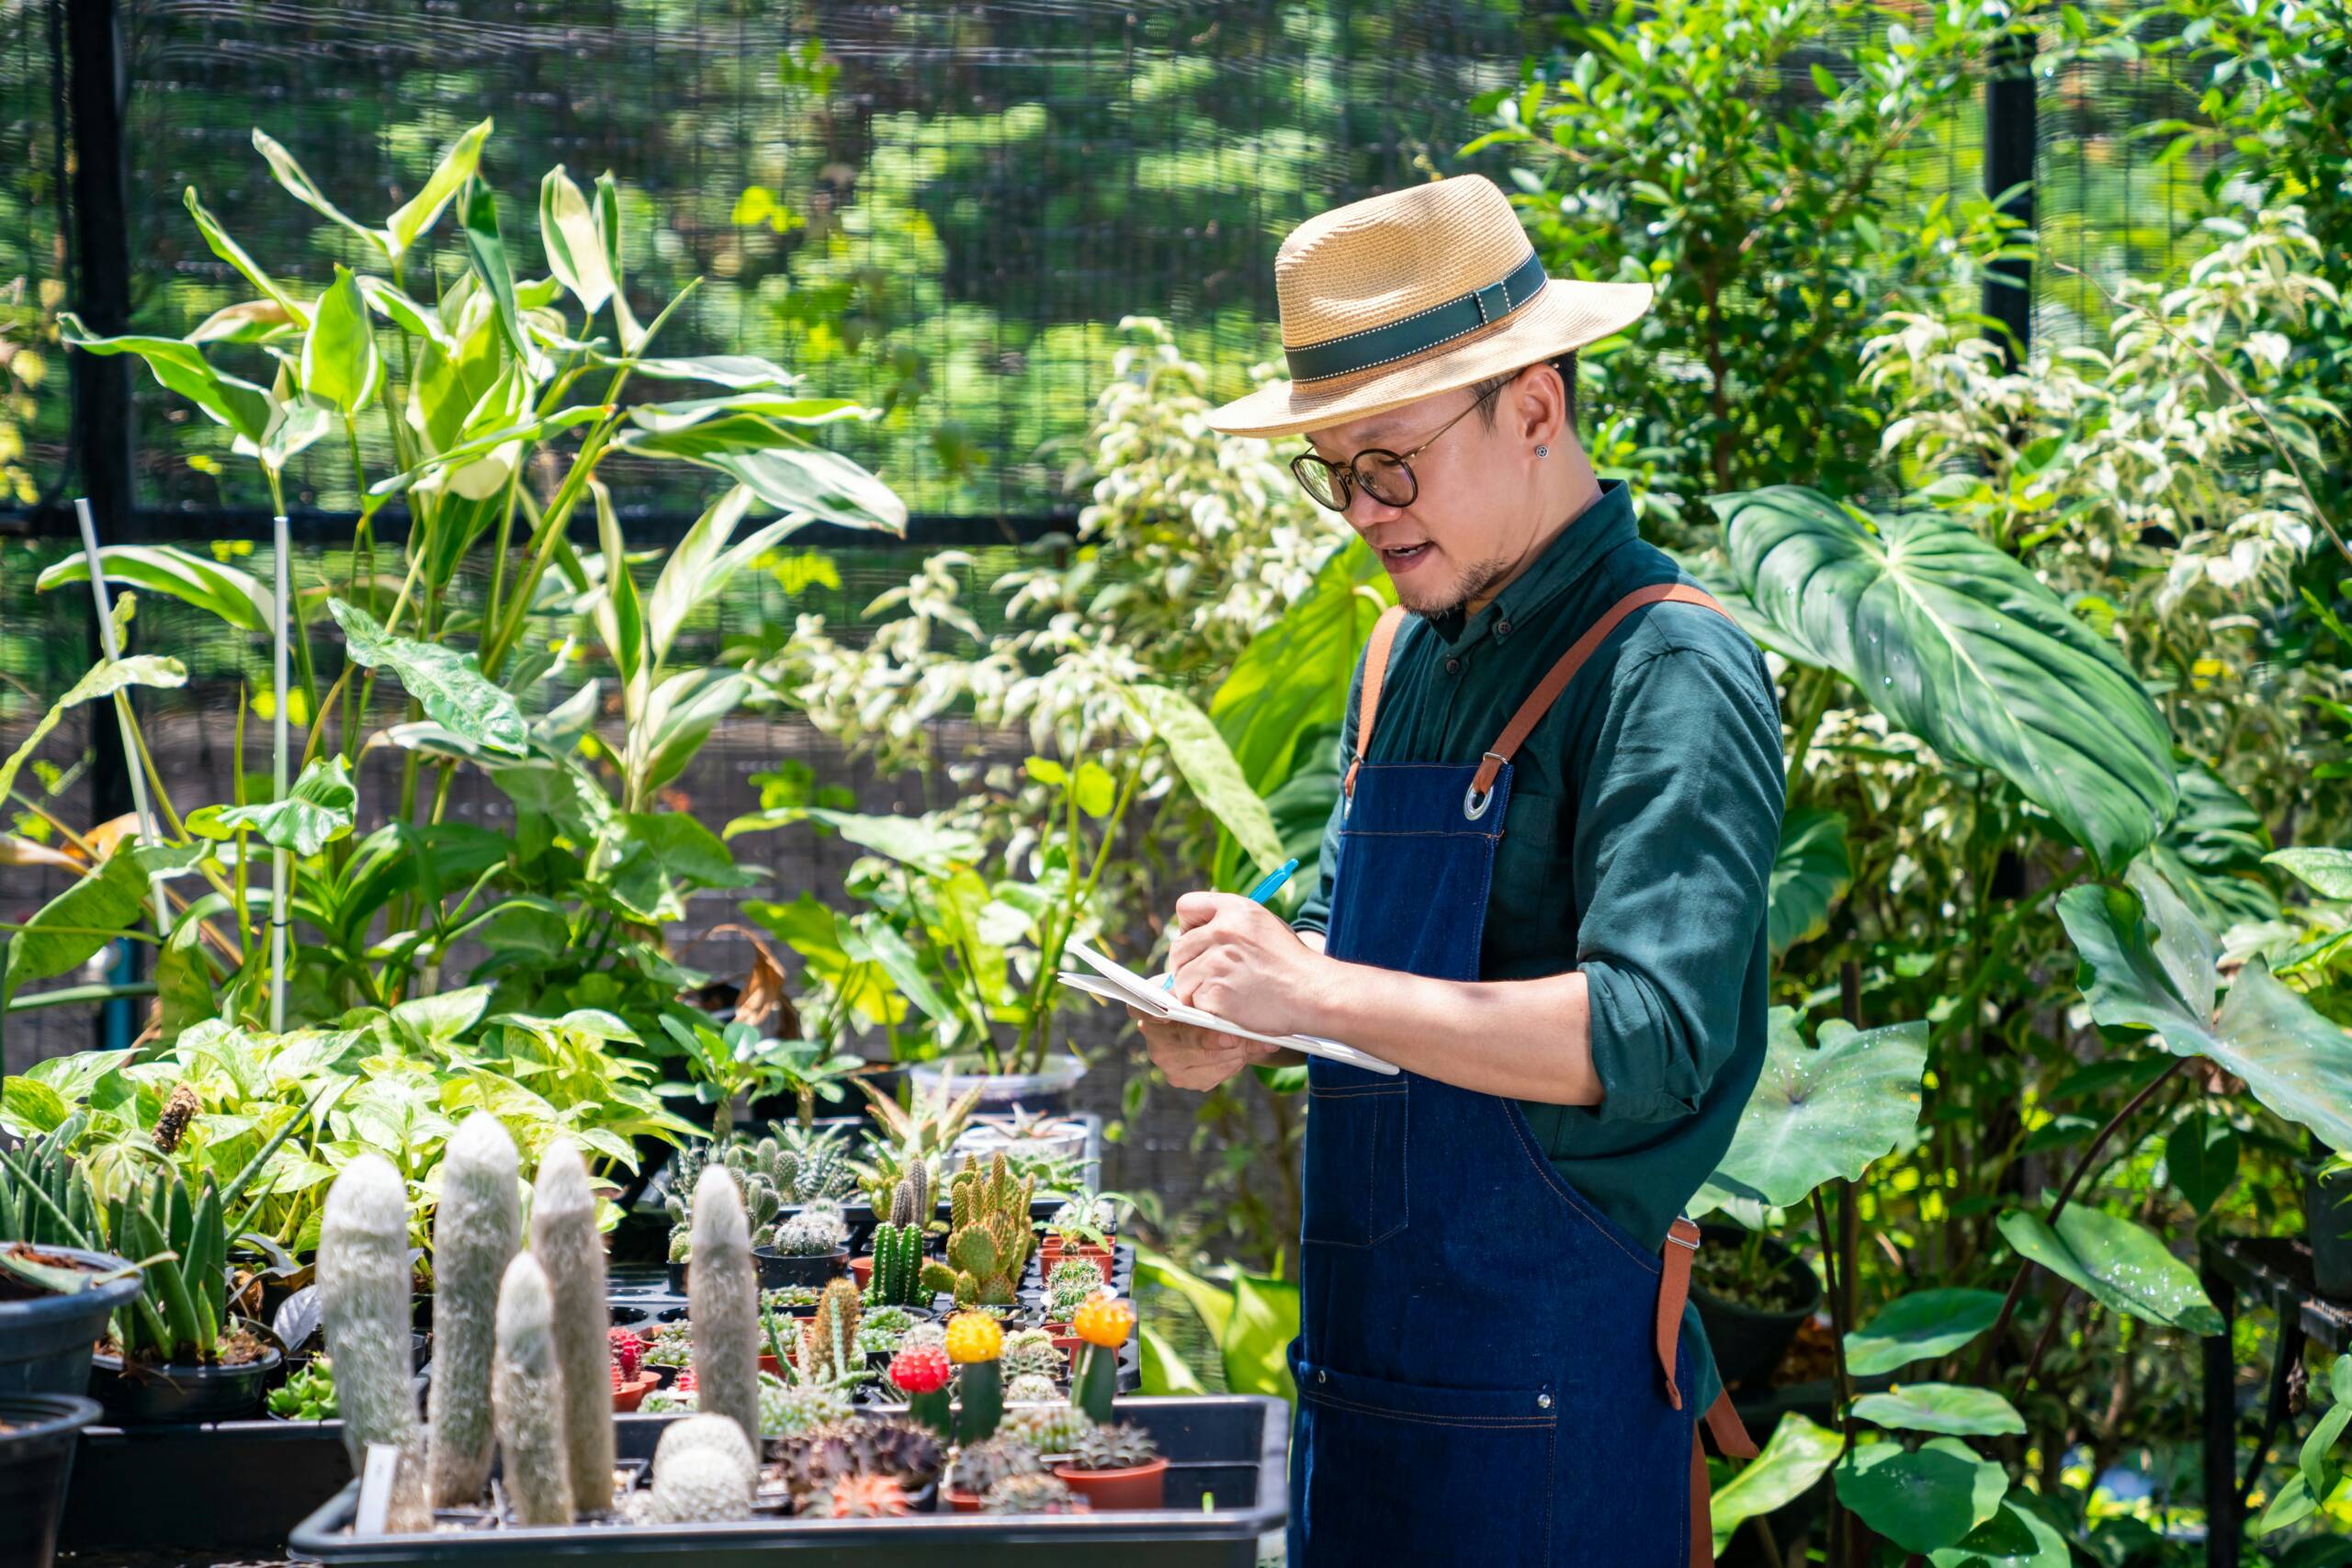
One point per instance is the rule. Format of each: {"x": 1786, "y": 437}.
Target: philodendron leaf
{"x": 1954, "y": 640}
{"x": 452, "y": 687}
{"x": 1201, "y": 754}
{"x": 318, "y": 810}
{"x": 2016, "y": 1537}
{"x": 1825, "y": 1112}
{"x": 2201, "y": 1158}
{"x": 2119, "y": 1263}
{"x": 1922, "y": 1324}
{"x": 1799, "y": 1454}
{"x": 1954, "y": 1409}
{"x": 1924, "y": 1500}
{"x": 2149, "y": 966}
{"x": 1809, "y": 873}
{"x": 103, "y": 679}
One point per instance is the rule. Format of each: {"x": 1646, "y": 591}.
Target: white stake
{"x": 110, "y": 646}
{"x": 280, "y": 860}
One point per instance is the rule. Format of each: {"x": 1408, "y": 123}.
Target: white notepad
{"x": 1115, "y": 982}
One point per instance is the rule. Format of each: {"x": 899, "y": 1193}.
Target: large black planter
{"x": 45, "y": 1340}
{"x": 146, "y": 1396}
{"x": 38, "y": 1432}
{"x": 1748, "y": 1344}
{"x": 779, "y": 1268}
{"x": 2327, "y": 1222}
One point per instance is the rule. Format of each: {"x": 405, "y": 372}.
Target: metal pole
{"x": 280, "y": 860}
{"x": 109, "y": 645}
{"x": 2009, "y": 147}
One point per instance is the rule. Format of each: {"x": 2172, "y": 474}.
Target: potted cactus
{"x": 808, "y": 1248}
{"x": 980, "y": 1466}
{"x": 988, "y": 1238}
{"x": 1082, "y": 1228}
{"x": 1117, "y": 1468}
{"x": 892, "y": 1273}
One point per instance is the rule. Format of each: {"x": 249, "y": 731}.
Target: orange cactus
{"x": 862, "y": 1497}
{"x": 1105, "y": 1321}
{"x": 976, "y": 1337}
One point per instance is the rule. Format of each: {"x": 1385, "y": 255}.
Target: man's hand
{"x": 1238, "y": 959}
{"x": 1197, "y": 1058}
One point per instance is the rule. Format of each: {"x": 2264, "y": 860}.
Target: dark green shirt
{"x": 1638, "y": 844}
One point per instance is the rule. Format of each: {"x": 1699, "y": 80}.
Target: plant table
{"x": 2273, "y": 1273}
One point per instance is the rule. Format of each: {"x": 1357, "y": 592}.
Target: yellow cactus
{"x": 1103, "y": 1320}
{"x": 976, "y": 1337}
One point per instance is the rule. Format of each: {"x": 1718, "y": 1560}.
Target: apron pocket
{"x": 1414, "y": 1472}
{"x": 1353, "y": 1194}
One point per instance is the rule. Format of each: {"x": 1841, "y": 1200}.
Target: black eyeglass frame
{"x": 1347, "y": 480}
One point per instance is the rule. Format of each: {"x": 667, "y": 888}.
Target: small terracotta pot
{"x": 1111, "y": 1491}
{"x": 963, "y": 1502}
{"x": 629, "y": 1396}
{"x": 1064, "y": 1340}
{"x": 768, "y": 1364}
{"x": 862, "y": 1269}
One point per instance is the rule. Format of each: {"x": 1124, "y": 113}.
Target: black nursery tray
{"x": 222, "y": 1486}
{"x": 1229, "y": 1448}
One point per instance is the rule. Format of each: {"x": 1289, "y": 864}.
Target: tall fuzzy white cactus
{"x": 569, "y": 1248}
{"x": 723, "y": 1305}
{"x": 526, "y": 1389}
{"x": 364, "y": 1301}
{"x": 476, "y": 1231}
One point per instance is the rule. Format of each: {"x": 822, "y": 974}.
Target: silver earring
{"x": 1542, "y": 451}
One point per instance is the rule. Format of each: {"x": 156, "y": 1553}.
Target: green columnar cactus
{"x": 898, "y": 1252}
{"x": 476, "y": 1231}
{"x": 527, "y": 1396}
{"x": 723, "y": 1305}
{"x": 364, "y": 1297}
{"x": 829, "y": 1349}
{"x": 571, "y": 1251}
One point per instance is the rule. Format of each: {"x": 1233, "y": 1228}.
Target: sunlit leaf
{"x": 821, "y": 484}
{"x": 451, "y": 684}
{"x": 318, "y": 810}
{"x": 1809, "y": 874}
{"x": 416, "y": 215}
{"x": 1201, "y": 754}
{"x": 1920, "y": 1325}
{"x": 103, "y": 679}
{"x": 1954, "y": 1409}
{"x": 1921, "y": 1500}
{"x": 178, "y": 368}
{"x": 1798, "y": 1454}
{"x": 1825, "y": 1112}
{"x": 340, "y": 362}
{"x": 2118, "y": 1262}
{"x": 567, "y": 234}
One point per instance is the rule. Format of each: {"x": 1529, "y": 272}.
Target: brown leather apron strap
{"x": 1729, "y": 1431}
{"x": 1673, "y": 1291}
{"x": 1731, "y": 1437}
{"x": 1375, "y": 670}
{"x": 1539, "y": 702}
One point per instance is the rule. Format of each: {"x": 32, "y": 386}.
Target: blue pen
{"x": 1258, "y": 894}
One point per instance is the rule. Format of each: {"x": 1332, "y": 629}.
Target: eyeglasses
{"x": 1386, "y": 476}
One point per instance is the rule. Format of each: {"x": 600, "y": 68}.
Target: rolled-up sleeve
{"x": 1678, "y": 823}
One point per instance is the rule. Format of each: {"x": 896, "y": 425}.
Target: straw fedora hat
{"x": 1396, "y": 298}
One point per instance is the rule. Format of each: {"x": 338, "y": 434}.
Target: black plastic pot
{"x": 1232, "y": 1449}
{"x": 778, "y": 1269}
{"x": 45, "y": 1340}
{"x": 1748, "y": 1344}
{"x": 145, "y": 1396}
{"x": 2327, "y": 1223}
{"x": 38, "y": 1432}
{"x": 200, "y": 1493}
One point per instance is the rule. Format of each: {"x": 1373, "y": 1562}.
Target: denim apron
{"x": 1486, "y": 1364}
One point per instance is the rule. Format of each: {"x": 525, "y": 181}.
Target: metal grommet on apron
{"x": 1487, "y": 1365}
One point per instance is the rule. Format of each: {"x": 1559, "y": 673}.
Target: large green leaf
{"x": 741, "y": 422}
{"x": 1921, "y": 1500}
{"x": 741, "y": 371}
{"x": 1958, "y": 643}
{"x": 1258, "y": 1334}
{"x": 178, "y": 368}
{"x": 2327, "y": 871}
{"x": 2213, "y": 851}
{"x": 1292, "y": 677}
{"x": 819, "y": 483}
{"x": 923, "y": 842}
{"x": 1164, "y": 1372}
{"x": 1809, "y": 873}
{"x": 225, "y": 246}
{"x": 679, "y": 715}
{"x": 103, "y": 679}
{"x": 1201, "y": 754}
{"x": 2016, "y": 1537}
{"x": 2201, "y": 1158}
{"x": 340, "y": 362}
{"x": 195, "y": 580}
{"x": 486, "y": 249}
{"x": 451, "y": 684}
{"x": 699, "y": 569}
{"x": 416, "y": 215}
{"x": 2148, "y": 965}
{"x": 2118, "y": 1262}
{"x": 1798, "y": 1455}
{"x": 1954, "y": 1409}
{"x": 91, "y": 913}
{"x": 1919, "y": 1326}
{"x": 652, "y": 861}
{"x": 817, "y": 934}
{"x": 318, "y": 810}
{"x": 1819, "y": 1113}
{"x": 567, "y": 234}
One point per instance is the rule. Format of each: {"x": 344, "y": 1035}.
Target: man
{"x": 1542, "y": 897}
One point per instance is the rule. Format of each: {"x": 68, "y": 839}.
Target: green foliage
{"x": 307, "y": 1395}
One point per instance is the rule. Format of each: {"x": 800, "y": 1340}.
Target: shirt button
{"x": 1502, "y": 628}
{"x": 1453, "y": 667}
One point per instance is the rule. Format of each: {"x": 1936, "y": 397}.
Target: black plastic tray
{"x": 225, "y": 1485}
{"x": 1230, "y": 1447}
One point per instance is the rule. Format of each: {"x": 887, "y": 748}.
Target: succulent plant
{"x": 898, "y": 1253}
{"x": 1119, "y": 1447}
{"x": 715, "y": 1432}
{"x": 1073, "y": 1281}
{"x": 980, "y": 1466}
{"x": 925, "y": 1333}
{"x": 45, "y": 1196}
{"x": 671, "y": 1346}
{"x": 723, "y": 1305}
{"x": 1103, "y": 1323}
{"x": 881, "y": 1329}
{"x": 627, "y": 1348}
{"x": 807, "y": 1235}
{"x": 1085, "y": 1220}
{"x": 527, "y": 1396}
{"x": 308, "y": 1394}
{"x": 1032, "y": 1494}
{"x": 701, "y": 1485}
{"x": 829, "y": 1349}
{"x": 988, "y": 1240}
{"x": 1032, "y": 1388}
{"x": 477, "y": 1229}
{"x": 364, "y": 1298}
{"x": 858, "y": 1496}
{"x": 570, "y": 1248}
{"x": 813, "y": 1163}
{"x": 901, "y": 1449}
{"x": 788, "y": 1298}
{"x": 921, "y": 1372}
{"x": 795, "y": 1409}
{"x": 1031, "y": 1352}
{"x": 1049, "y": 1428}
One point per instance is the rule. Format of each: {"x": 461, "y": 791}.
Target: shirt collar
{"x": 1602, "y": 526}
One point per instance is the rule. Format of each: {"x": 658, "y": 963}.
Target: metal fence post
{"x": 2010, "y": 138}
